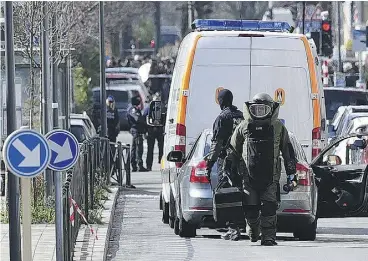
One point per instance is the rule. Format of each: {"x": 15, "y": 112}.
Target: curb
{"x": 112, "y": 214}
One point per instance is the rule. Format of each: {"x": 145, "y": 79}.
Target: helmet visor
{"x": 260, "y": 110}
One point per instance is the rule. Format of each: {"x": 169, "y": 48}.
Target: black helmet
{"x": 136, "y": 100}
{"x": 261, "y": 106}
{"x": 263, "y": 98}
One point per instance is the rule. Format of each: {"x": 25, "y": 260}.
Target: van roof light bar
{"x": 240, "y": 25}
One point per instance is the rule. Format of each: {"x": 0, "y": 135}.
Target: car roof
{"x": 122, "y": 70}
{"x": 79, "y": 116}
{"x": 236, "y": 33}
{"x": 121, "y": 87}
{"x": 78, "y": 122}
{"x": 345, "y": 89}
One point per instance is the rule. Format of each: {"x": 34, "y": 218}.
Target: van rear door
{"x": 221, "y": 61}
{"x": 279, "y": 62}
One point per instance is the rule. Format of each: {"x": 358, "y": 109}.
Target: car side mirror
{"x": 175, "y": 156}
{"x": 155, "y": 116}
{"x": 333, "y": 160}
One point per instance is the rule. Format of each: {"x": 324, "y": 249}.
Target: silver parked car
{"x": 193, "y": 193}
{"x": 298, "y": 209}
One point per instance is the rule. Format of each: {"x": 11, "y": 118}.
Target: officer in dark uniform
{"x": 113, "y": 122}
{"x": 154, "y": 133}
{"x": 258, "y": 141}
{"x": 223, "y": 128}
{"x": 137, "y": 126}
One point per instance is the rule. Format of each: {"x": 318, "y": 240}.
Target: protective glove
{"x": 291, "y": 183}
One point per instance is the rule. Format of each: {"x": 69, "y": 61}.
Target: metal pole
{"x": 57, "y": 175}
{"x": 45, "y": 86}
{"x": 158, "y": 26}
{"x": 190, "y": 18}
{"x": 339, "y": 37}
{"x": 102, "y": 73}
{"x": 13, "y": 181}
{"x": 303, "y": 22}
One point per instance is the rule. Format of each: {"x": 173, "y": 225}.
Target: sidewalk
{"x": 43, "y": 238}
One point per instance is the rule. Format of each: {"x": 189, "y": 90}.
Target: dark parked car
{"x": 341, "y": 172}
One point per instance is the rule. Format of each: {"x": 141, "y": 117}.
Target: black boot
{"x": 142, "y": 169}
{"x": 269, "y": 242}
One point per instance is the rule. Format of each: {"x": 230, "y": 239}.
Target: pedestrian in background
{"x": 153, "y": 133}
{"x": 137, "y": 125}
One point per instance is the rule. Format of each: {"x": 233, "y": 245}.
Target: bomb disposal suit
{"x": 257, "y": 143}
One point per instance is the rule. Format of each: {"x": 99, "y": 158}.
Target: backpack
{"x": 260, "y": 153}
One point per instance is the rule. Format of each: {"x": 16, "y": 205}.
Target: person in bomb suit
{"x": 258, "y": 141}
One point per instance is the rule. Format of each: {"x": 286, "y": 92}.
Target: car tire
{"x": 165, "y": 212}
{"x": 176, "y": 226}
{"x": 308, "y": 232}
{"x": 186, "y": 229}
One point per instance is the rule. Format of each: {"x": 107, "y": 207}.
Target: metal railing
{"x": 99, "y": 163}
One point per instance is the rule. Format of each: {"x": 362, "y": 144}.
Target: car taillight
{"x": 304, "y": 175}
{"x": 316, "y": 142}
{"x": 198, "y": 174}
{"x": 181, "y": 134}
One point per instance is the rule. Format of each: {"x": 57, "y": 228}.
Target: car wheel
{"x": 165, "y": 212}
{"x": 176, "y": 226}
{"x": 308, "y": 232}
{"x": 186, "y": 229}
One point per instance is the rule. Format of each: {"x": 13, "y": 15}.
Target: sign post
{"x": 64, "y": 154}
{"x": 26, "y": 154}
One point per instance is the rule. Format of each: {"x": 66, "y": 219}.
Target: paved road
{"x": 139, "y": 234}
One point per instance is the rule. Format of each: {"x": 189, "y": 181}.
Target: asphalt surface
{"x": 138, "y": 234}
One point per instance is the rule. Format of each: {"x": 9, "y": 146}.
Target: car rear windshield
{"x": 78, "y": 132}
{"x": 119, "y": 96}
{"x": 336, "y": 98}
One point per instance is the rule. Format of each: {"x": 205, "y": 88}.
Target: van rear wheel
{"x": 165, "y": 211}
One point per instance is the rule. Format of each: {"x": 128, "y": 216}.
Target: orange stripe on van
{"x": 182, "y": 108}
{"x": 314, "y": 83}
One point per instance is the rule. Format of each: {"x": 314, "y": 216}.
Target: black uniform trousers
{"x": 136, "y": 149}
{"x": 152, "y": 136}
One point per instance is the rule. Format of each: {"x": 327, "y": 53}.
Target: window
{"x": 78, "y": 132}
{"x": 336, "y": 98}
{"x": 119, "y": 96}
{"x": 193, "y": 148}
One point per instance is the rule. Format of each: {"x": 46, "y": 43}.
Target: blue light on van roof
{"x": 238, "y": 25}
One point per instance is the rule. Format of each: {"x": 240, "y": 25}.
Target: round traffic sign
{"x": 64, "y": 149}
{"x": 26, "y": 153}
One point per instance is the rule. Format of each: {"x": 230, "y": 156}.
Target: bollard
{"x": 86, "y": 174}
{"x": 91, "y": 172}
{"x": 119, "y": 164}
{"x": 68, "y": 225}
{"x": 108, "y": 163}
{"x": 65, "y": 238}
{"x": 127, "y": 169}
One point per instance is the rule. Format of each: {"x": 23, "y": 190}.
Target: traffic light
{"x": 327, "y": 48}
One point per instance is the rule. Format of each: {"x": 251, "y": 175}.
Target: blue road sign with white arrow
{"x": 26, "y": 153}
{"x": 65, "y": 149}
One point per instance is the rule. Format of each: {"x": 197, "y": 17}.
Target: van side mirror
{"x": 333, "y": 160}
{"x": 175, "y": 156}
{"x": 155, "y": 116}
